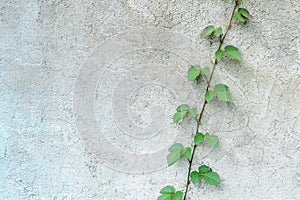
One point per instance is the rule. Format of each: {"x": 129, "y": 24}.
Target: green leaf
{"x": 165, "y": 197}
{"x": 222, "y": 92}
{"x": 199, "y": 137}
{"x": 178, "y": 195}
{"x": 205, "y": 71}
{"x": 207, "y": 31}
{"x": 230, "y": 48}
{"x": 195, "y": 177}
{"x": 221, "y": 87}
{"x": 218, "y": 32}
{"x": 212, "y": 140}
{"x": 209, "y": 96}
{"x": 244, "y": 12}
{"x": 173, "y": 157}
{"x": 187, "y": 152}
{"x": 219, "y": 54}
{"x": 183, "y": 107}
{"x": 193, "y": 73}
{"x": 224, "y": 96}
{"x": 235, "y": 55}
{"x": 193, "y": 111}
{"x": 237, "y": 16}
{"x": 212, "y": 178}
{"x": 176, "y": 147}
{"x": 168, "y": 193}
{"x": 204, "y": 169}
{"x": 178, "y": 116}
{"x": 168, "y": 190}
{"x": 233, "y": 52}
{"x": 175, "y": 153}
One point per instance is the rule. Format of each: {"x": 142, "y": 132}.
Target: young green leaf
{"x": 187, "y": 152}
{"x": 195, "y": 177}
{"x": 176, "y": 147}
{"x": 205, "y": 71}
{"x": 178, "y": 116}
{"x": 209, "y": 96}
{"x": 204, "y": 169}
{"x": 233, "y": 52}
{"x": 221, "y": 87}
{"x": 175, "y": 153}
{"x": 212, "y": 178}
{"x": 212, "y": 140}
{"x": 168, "y": 190}
{"x": 165, "y": 197}
{"x": 193, "y": 112}
{"x": 244, "y": 12}
{"x": 218, "y": 32}
{"x": 183, "y": 107}
{"x": 193, "y": 73}
{"x": 198, "y": 138}
{"x": 224, "y": 96}
{"x": 231, "y": 48}
{"x": 219, "y": 54}
{"x": 222, "y": 92}
{"x": 173, "y": 157}
{"x": 207, "y": 31}
{"x": 237, "y": 16}
{"x": 178, "y": 195}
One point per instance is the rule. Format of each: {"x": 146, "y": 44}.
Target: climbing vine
{"x": 219, "y": 91}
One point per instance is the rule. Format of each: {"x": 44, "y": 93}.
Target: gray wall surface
{"x": 88, "y": 89}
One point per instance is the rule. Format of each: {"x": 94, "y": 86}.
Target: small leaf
{"x": 222, "y": 92}
{"x": 193, "y": 111}
{"x": 165, "y": 197}
{"x": 176, "y": 147}
{"x": 178, "y": 195}
{"x": 205, "y": 71}
{"x": 239, "y": 17}
{"x": 173, "y": 157}
{"x": 224, "y": 96}
{"x": 193, "y": 73}
{"x": 212, "y": 140}
{"x": 178, "y": 116}
{"x": 168, "y": 190}
{"x": 187, "y": 152}
{"x": 230, "y": 48}
{"x": 219, "y": 54}
{"x": 175, "y": 153}
{"x": 207, "y": 31}
{"x": 195, "y": 177}
{"x": 221, "y": 87}
{"x": 183, "y": 107}
{"x": 199, "y": 137}
{"x": 218, "y": 32}
{"x": 204, "y": 169}
{"x": 209, "y": 96}
{"x": 244, "y": 12}
{"x": 212, "y": 178}
{"x": 233, "y": 52}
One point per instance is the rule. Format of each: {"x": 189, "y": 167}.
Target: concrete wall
{"x": 88, "y": 90}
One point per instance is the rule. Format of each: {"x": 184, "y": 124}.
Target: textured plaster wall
{"x": 88, "y": 89}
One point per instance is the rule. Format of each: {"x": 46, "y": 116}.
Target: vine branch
{"x": 222, "y": 38}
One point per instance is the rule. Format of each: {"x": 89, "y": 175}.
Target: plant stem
{"x": 222, "y": 38}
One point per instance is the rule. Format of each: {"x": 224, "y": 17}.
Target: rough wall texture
{"x": 88, "y": 89}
